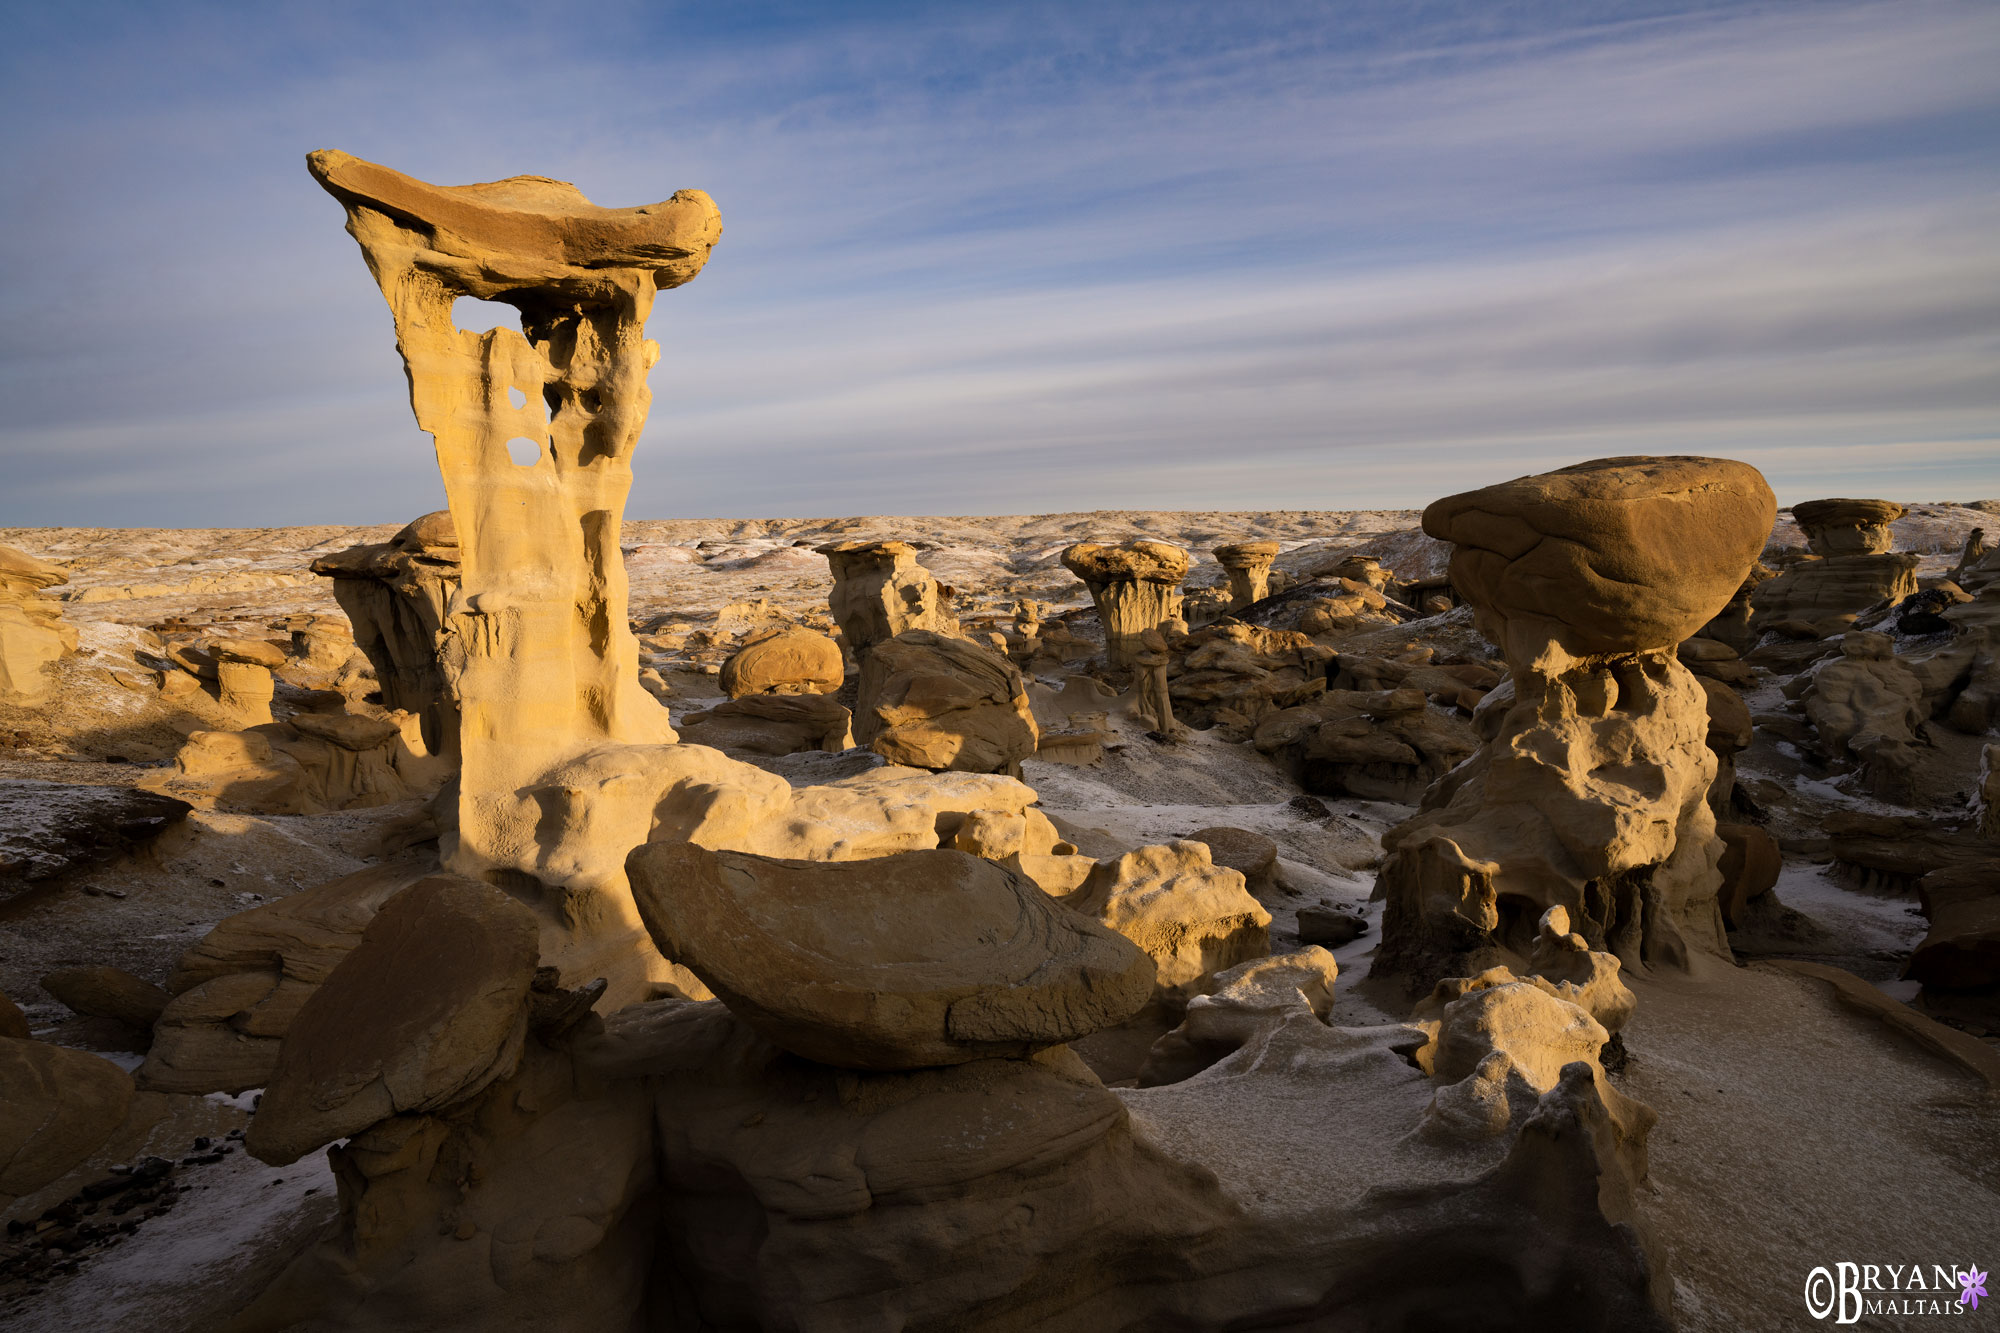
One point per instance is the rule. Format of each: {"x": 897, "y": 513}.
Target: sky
{"x": 1021, "y": 258}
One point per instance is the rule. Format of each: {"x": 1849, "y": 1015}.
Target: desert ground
{"x": 1796, "y": 1124}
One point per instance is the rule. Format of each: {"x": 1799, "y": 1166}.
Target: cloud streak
{"x": 1096, "y": 258}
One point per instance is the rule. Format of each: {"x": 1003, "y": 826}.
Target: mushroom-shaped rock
{"x": 930, "y": 701}
{"x": 1249, "y": 566}
{"x": 429, "y": 1008}
{"x": 791, "y": 661}
{"x": 1847, "y": 527}
{"x": 1610, "y": 556}
{"x": 903, "y": 962}
{"x": 1136, "y": 588}
{"x": 879, "y": 591}
{"x": 529, "y": 228}
{"x": 56, "y": 1106}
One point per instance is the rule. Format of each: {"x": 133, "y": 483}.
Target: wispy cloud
{"x": 1091, "y": 257}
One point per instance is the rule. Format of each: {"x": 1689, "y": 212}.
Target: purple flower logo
{"x": 1974, "y": 1283}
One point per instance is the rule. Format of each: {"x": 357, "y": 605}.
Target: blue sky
{"x": 1022, "y": 258}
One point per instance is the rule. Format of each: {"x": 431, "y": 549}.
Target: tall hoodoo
{"x": 1589, "y": 792}
{"x": 1136, "y": 586}
{"x": 535, "y": 432}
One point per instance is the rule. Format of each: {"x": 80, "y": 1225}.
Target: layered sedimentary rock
{"x": 928, "y": 700}
{"x": 397, "y": 595}
{"x": 1590, "y": 789}
{"x": 32, "y": 632}
{"x": 879, "y": 591}
{"x": 1136, "y": 588}
{"x": 1249, "y": 566}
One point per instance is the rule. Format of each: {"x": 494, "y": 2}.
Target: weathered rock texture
{"x": 429, "y": 1008}
{"x": 538, "y": 652}
{"x": 397, "y": 595}
{"x": 791, "y": 661}
{"x": 1590, "y": 790}
{"x": 1136, "y": 588}
{"x": 879, "y": 591}
{"x": 32, "y": 632}
{"x": 1249, "y": 566}
{"x": 929, "y": 958}
{"x": 931, "y": 701}
{"x": 1847, "y": 527}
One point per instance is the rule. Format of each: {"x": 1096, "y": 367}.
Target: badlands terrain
{"x": 1572, "y": 906}
{"x": 1739, "y": 1057}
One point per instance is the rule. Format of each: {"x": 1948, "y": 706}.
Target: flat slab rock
{"x": 900, "y": 962}
{"x": 47, "y": 828}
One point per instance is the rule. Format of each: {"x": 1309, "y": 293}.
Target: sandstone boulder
{"x": 793, "y": 661}
{"x": 1609, "y": 556}
{"x": 56, "y": 1106}
{"x": 1590, "y": 790}
{"x": 1193, "y": 917}
{"x": 928, "y": 958}
{"x": 107, "y": 992}
{"x": 238, "y": 990}
{"x": 429, "y": 1008}
{"x": 396, "y": 595}
{"x": 929, "y": 701}
{"x": 1251, "y": 855}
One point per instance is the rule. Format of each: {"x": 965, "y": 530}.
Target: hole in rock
{"x": 552, "y": 397}
{"x": 525, "y": 452}
{"x": 516, "y": 397}
{"x": 589, "y": 399}
{"x": 476, "y": 316}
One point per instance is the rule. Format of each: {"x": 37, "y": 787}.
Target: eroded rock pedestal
{"x": 397, "y": 595}
{"x": 1589, "y": 790}
{"x": 535, "y": 432}
{"x": 1137, "y": 587}
{"x": 1853, "y": 568}
{"x": 1249, "y": 566}
{"x": 879, "y": 591}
